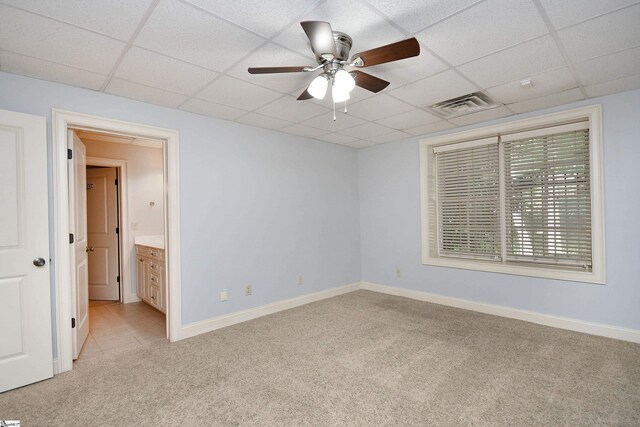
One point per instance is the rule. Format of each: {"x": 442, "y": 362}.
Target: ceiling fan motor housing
{"x": 343, "y": 45}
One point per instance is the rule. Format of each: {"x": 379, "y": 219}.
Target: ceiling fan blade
{"x": 268, "y": 70}
{"x": 304, "y": 95}
{"x": 369, "y": 82}
{"x": 392, "y": 52}
{"x": 320, "y": 35}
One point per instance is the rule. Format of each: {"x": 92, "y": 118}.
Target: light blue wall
{"x": 257, "y": 207}
{"x": 390, "y": 230}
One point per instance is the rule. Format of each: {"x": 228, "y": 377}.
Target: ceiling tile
{"x": 482, "y": 116}
{"x": 326, "y": 122}
{"x": 288, "y": 108}
{"x": 414, "y": 15}
{"x": 393, "y": 136}
{"x": 39, "y": 69}
{"x": 337, "y": 138}
{"x": 271, "y": 55}
{"x": 106, "y": 17}
{"x": 302, "y": 130}
{"x": 400, "y": 73}
{"x": 32, "y": 35}
{"x": 514, "y": 63}
{"x": 211, "y": 109}
{"x": 265, "y": 17}
{"x": 152, "y": 69}
{"x": 543, "y": 84}
{"x": 144, "y": 93}
{"x": 552, "y": 100}
{"x": 600, "y": 36}
{"x": 614, "y": 86}
{"x": 409, "y": 120}
{"x": 261, "y": 121}
{"x": 430, "y": 128}
{"x": 485, "y": 28}
{"x": 609, "y": 67}
{"x": 362, "y": 144}
{"x": 378, "y": 107}
{"x": 366, "y": 131}
{"x": 184, "y": 32}
{"x": 563, "y": 13}
{"x": 365, "y": 27}
{"x": 237, "y": 93}
{"x": 440, "y": 87}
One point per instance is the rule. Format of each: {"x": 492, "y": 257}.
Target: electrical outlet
{"x": 134, "y": 226}
{"x": 300, "y": 280}
{"x": 398, "y": 273}
{"x": 248, "y": 290}
{"x": 224, "y": 295}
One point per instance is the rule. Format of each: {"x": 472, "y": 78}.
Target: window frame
{"x": 593, "y": 114}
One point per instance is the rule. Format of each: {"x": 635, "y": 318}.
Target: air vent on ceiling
{"x": 463, "y": 105}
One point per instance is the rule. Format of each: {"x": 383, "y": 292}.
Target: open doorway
{"x": 72, "y": 308}
{"x": 103, "y": 166}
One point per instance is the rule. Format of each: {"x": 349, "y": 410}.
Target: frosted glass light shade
{"x": 344, "y": 80}
{"x": 339, "y": 94}
{"x": 318, "y": 87}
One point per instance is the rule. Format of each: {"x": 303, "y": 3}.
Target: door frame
{"x": 61, "y": 121}
{"x": 123, "y": 218}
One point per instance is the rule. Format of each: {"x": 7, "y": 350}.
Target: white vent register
{"x": 463, "y": 105}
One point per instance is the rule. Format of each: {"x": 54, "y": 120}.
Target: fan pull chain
{"x": 345, "y": 107}
{"x": 334, "y": 111}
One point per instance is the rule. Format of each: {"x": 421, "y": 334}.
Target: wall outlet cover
{"x": 248, "y": 290}
{"x": 224, "y": 295}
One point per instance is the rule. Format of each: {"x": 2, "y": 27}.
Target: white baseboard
{"x": 599, "y": 329}
{"x": 214, "y": 323}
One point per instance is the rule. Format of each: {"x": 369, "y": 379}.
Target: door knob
{"x": 89, "y": 248}
{"x": 38, "y": 262}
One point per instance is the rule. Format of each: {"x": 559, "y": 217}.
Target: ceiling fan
{"x": 332, "y": 54}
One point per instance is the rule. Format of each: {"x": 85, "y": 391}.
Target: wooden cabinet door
{"x": 143, "y": 273}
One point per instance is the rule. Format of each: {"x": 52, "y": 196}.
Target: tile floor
{"x": 115, "y": 327}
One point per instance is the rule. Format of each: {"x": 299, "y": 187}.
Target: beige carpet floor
{"x": 358, "y": 359}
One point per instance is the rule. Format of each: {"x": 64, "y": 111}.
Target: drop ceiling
{"x": 193, "y": 55}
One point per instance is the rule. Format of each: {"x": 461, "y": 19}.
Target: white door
{"x": 25, "y": 293}
{"x": 102, "y": 224}
{"x": 78, "y": 226}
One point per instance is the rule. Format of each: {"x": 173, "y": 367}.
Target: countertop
{"x": 156, "y": 241}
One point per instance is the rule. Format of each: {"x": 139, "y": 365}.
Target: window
{"x": 521, "y": 198}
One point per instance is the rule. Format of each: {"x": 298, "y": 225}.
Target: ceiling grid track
{"x": 141, "y": 24}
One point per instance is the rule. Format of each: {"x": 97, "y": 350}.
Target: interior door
{"x": 78, "y": 226}
{"x": 25, "y": 293}
{"x": 102, "y": 224}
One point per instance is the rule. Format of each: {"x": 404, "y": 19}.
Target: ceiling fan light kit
{"x": 331, "y": 49}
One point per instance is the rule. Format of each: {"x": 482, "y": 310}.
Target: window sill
{"x": 518, "y": 269}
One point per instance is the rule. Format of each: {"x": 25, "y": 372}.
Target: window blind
{"x": 547, "y": 196}
{"x": 468, "y": 200}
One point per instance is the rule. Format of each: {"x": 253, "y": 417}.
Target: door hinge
{"x": 69, "y": 154}
{"x": 73, "y": 322}
{"x": 118, "y": 279}
{"x": 116, "y": 181}
{"x": 117, "y": 230}
{"x": 70, "y": 238}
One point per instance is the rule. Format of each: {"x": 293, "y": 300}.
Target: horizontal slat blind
{"x": 468, "y": 199}
{"x": 548, "y": 199}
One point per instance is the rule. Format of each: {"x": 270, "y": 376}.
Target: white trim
{"x": 591, "y": 113}
{"x": 123, "y": 214}
{"x": 592, "y": 328}
{"x": 55, "y": 366}
{"x": 61, "y": 121}
{"x": 214, "y": 323}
